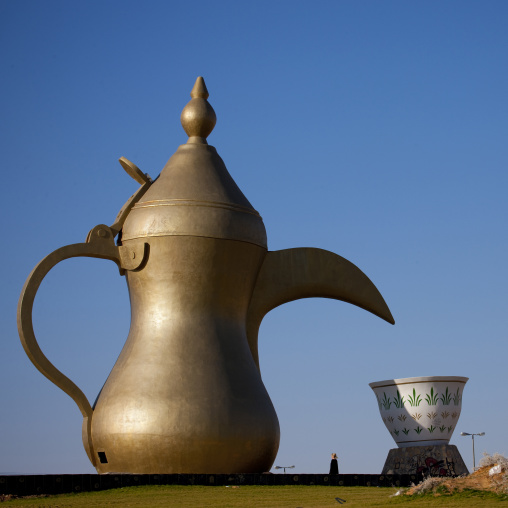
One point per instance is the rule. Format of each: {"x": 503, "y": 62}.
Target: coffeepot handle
{"x": 99, "y": 244}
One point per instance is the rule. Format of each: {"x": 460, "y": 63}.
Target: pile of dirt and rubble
{"x": 492, "y": 476}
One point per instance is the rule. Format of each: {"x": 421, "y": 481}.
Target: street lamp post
{"x": 472, "y": 436}
{"x": 284, "y": 467}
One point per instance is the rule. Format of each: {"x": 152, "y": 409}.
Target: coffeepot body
{"x": 185, "y": 394}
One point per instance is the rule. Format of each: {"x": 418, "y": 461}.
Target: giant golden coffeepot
{"x": 186, "y": 394}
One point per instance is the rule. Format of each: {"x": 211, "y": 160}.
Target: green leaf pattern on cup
{"x": 446, "y": 398}
{"x": 398, "y": 401}
{"x": 414, "y": 400}
{"x": 431, "y": 398}
{"x": 386, "y": 401}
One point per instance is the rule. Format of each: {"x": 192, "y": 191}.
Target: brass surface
{"x": 186, "y": 394}
{"x": 198, "y": 117}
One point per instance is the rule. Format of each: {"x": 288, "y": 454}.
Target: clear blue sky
{"x": 377, "y": 130}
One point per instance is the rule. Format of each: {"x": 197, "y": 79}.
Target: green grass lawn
{"x": 256, "y": 496}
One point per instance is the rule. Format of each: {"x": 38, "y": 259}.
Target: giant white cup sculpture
{"x": 420, "y": 411}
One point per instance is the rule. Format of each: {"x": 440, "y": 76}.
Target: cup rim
{"x": 421, "y": 379}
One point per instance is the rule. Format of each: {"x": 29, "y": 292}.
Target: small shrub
{"x": 428, "y": 485}
{"x": 493, "y": 460}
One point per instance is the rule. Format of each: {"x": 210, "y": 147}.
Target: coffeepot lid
{"x": 195, "y": 195}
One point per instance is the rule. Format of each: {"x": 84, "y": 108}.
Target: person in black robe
{"x": 334, "y": 466}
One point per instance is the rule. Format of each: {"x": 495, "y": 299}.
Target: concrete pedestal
{"x": 437, "y": 460}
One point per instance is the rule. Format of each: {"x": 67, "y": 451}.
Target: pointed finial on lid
{"x": 199, "y": 89}
{"x": 198, "y": 117}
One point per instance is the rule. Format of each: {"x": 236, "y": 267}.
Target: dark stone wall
{"x": 28, "y": 485}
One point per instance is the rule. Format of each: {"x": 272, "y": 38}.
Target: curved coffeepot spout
{"x": 99, "y": 244}
{"x": 292, "y": 274}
